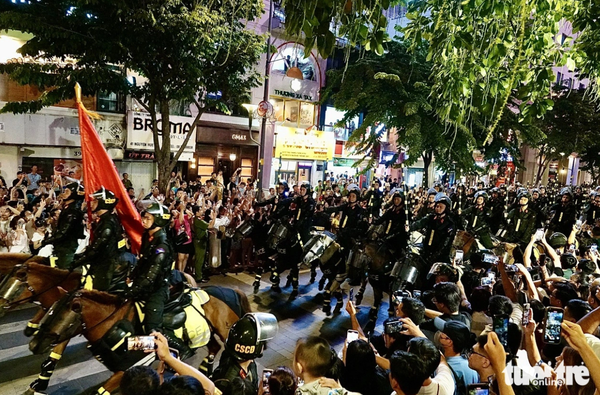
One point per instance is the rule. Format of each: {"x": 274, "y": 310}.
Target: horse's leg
{"x": 275, "y": 276}
{"x": 339, "y": 295}
{"x": 361, "y": 292}
{"x": 207, "y": 364}
{"x": 111, "y": 385}
{"x": 313, "y": 271}
{"x": 295, "y": 273}
{"x": 41, "y": 383}
{"x": 377, "y": 298}
{"x": 34, "y": 323}
{"x": 334, "y": 285}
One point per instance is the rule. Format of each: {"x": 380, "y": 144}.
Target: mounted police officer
{"x": 564, "y": 213}
{"x": 394, "y": 219}
{"x": 429, "y": 206}
{"x": 107, "y": 241}
{"x": 592, "y": 212}
{"x": 520, "y": 222}
{"x": 374, "y": 199}
{"x": 496, "y": 206}
{"x": 281, "y": 195}
{"x": 151, "y": 274}
{"x": 439, "y": 231}
{"x": 476, "y": 219}
{"x": 69, "y": 227}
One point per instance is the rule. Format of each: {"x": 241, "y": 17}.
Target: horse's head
{"x": 30, "y": 281}
{"x": 14, "y": 287}
{"x": 62, "y": 321}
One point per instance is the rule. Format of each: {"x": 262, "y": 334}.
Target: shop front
{"x": 224, "y": 149}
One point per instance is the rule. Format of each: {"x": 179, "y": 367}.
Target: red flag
{"x": 99, "y": 170}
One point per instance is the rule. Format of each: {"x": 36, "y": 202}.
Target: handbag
{"x": 182, "y": 237}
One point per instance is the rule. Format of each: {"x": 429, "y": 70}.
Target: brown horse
{"x": 96, "y": 313}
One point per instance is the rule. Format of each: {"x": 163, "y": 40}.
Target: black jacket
{"x": 107, "y": 242}
{"x": 437, "y": 238}
{"x": 69, "y": 227}
{"x": 350, "y": 221}
{"x": 154, "y": 266}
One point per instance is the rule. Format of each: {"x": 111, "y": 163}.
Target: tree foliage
{"x": 182, "y": 49}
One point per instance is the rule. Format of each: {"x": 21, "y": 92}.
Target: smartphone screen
{"x": 594, "y": 248}
{"x": 393, "y": 327}
{"x": 526, "y": 314}
{"x": 351, "y": 335}
{"x": 490, "y": 258}
{"x": 458, "y": 257}
{"x": 417, "y": 294}
{"x": 539, "y": 234}
{"x": 501, "y": 328}
{"x": 485, "y": 281}
{"x": 140, "y": 343}
{"x": 351, "y": 295}
{"x": 478, "y": 389}
{"x": 265, "y": 376}
{"x": 554, "y": 318}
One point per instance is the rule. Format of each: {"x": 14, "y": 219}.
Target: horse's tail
{"x": 244, "y": 302}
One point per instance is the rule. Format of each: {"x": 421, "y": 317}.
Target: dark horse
{"x": 97, "y": 315}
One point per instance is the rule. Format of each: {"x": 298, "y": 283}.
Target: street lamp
{"x": 232, "y": 157}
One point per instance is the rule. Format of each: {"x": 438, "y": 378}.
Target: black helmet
{"x": 306, "y": 184}
{"x": 285, "y": 185}
{"x": 566, "y": 191}
{"x": 535, "y": 190}
{"x": 442, "y": 198}
{"x": 353, "y": 188}
{"x": 568, "y": 261}
{"x": 586, "y": 266}
{"x": 524, "y": 194}
{"x": 432, "y": 191}
{"x": 106, "y": 199}
{"x": 483, "y": 194}
{"x": 495, "y": 190}
{"x": 248, "y": 337}
{"x": 557, "y": 240}
{"x": 439, "y": 187}
{"x": 161, "y": 214}
{"x": 77, "y": 190}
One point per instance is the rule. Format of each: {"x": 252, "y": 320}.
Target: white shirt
{"x": 223, "y": 221}
{"x": 441, "y": 384}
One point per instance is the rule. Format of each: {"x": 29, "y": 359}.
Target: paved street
{"x": 78, "y": 370}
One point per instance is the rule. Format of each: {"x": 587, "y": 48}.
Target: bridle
{"x": 17, "y": 286}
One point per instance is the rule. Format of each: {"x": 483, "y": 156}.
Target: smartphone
{"x": 511, "y": 268}
{"x": 478, "y": 389}
{"x": 351, "y": 335}
{"x": 539, "y": 234}
{"x": 351, "y": 295}
{"x": 526, "y": 314}
{"x": 500, "y": 325}
{"x": 594, "y": 248}
{"x": 416, "y": 294}
{"x": 265, "y": 377}
{"x": 572, "y": 248}
{"x": 553, "y": 320}
{"x": 174, "y": 353}
{"x": 490, "y": 258}
{"x": 458, "y": 257}
{"x": 486, "y": 281}
{"x": 578, "y": 223}
{"x": 140, "y": 343}
{"x": 392, "y": 327}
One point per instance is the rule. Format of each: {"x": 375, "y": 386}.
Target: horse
{"x": 96, "y": 314}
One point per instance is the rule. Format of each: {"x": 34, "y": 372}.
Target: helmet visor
{"x": 266, "y": 326}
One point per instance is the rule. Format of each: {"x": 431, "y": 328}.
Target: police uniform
{"x": 438, "y": 237}
{"x": 374, "y": 199}
{"x": 519, "y": 226}
{"x": 69, "y": 229}
{"x": 564, "y": 218}
{"x": 394, "y": 220}
{"x": 150, "y": 277}
{"x": 104, "y": 252}
{"x": 476, "y": 220}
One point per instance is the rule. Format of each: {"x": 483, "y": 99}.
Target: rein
{"x": 84, "y": 326}
{"x": 34, "y": 294}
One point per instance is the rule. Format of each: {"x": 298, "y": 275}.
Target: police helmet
{"x": 495, "y": 190}
{"x": 432, "y": 191}
{"x": 354, "y": 189}
{"x": 483, "y": 194}
{"x": 557, "y": 240}
{"x": 248, "y": 337}
{"x": 442, "y": 198}
{"x": 524, "y": 194}
{"x": 568, "y": 261}
{"x": 566, "y": 191}
{"x": 161, "y": 214}
{"x": 106, "y": 199}
{"x": 284, "y": 184}
{"x": 77, "y": 190}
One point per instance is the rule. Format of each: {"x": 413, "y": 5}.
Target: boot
{"x": 256, "y": 286}
{"x": 207, "y": 365}
{"x": 322, "y": 283}
{"x": 338, "y": 306}
{"x": 293, "y": 295}
{"x": 288, "y": 281}
{"x": 276, "y": 288}
{"x": 184, "y": 350}
{"x": 313, "y": 277}
{"x": 359, "y": 297}
{"x": 327, "y": 303}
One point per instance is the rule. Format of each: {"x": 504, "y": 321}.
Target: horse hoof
{"x": 31, "y": 391}
{"x": 293, "y": 295}
{"x": 321, "y": 285}
{"x": 337, "y": 310}
{"x": 327, "y": 310}
{"x": 276, "y": 288}
{"x": 29, "y": 331}
{"x": 312, "y": 280}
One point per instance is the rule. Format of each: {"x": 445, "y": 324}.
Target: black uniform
{"x": 374, "y": 199}
{"x": 438, "y": 237}
{"x": 497, "y": 214}
{"x": 519, "y": 226}
{"x": 150, "y": 277}
{"x": 564, "y": 218}
{"x": 277, "y": 209}
{"x": 229, "y": 368}
{"x": 103, "y": 254}
{"x": 69, "y": 229}
{"x": 394, "y": 235}
{"x": 592, "y": 214}
{"x": 476, "y": 220}
{"x": 350, "y": 223}
{"x": 302, "y": 216}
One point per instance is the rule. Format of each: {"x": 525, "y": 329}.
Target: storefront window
{"x": 294, "y": 113}
{"x": 293, "y": 56}
{"x": 206, "y": 166}
{"x": 291, "y": 111}
{"x": 307, "y": 114}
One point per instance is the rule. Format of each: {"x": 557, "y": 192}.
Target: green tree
{"x": 182, "y": 49}
{"x": 590, "y": 162}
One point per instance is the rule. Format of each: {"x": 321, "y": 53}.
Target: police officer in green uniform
{"x": 246, "y": 342}
{"x": 107, "y": 241}
{"x": 69, "y": 227}
{"x": 151, "y": 274}
{"x": 476, "y": 219}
